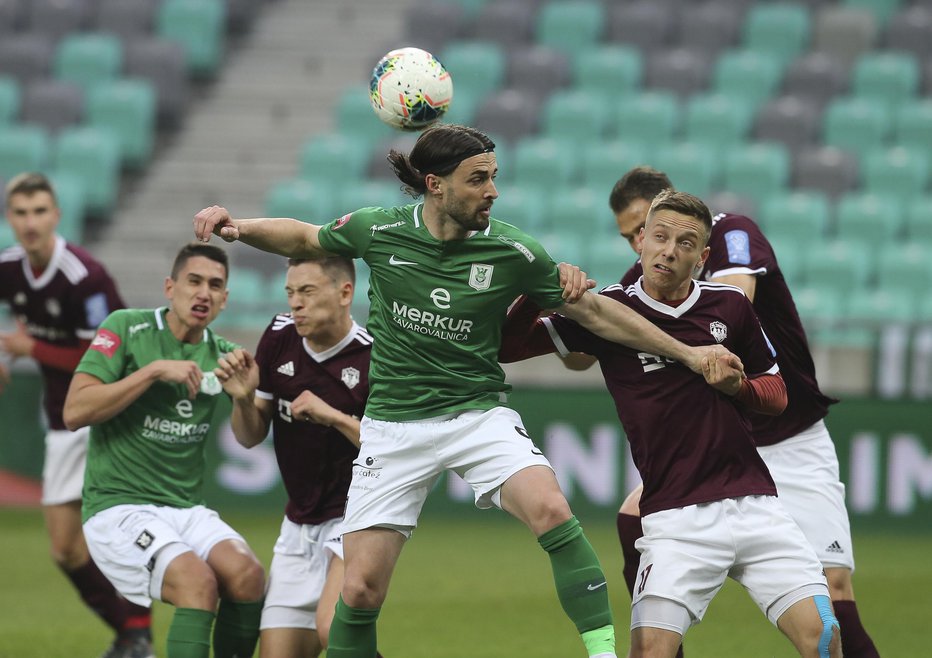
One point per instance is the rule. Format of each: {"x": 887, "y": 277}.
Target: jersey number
{"x": 644, "y": 574}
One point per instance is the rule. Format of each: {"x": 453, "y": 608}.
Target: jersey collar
{"x": 320, "y": 357}
{"x": 666, "y": 309}
{"x": 49, "y": 272}
{"x": 417, "y": 222}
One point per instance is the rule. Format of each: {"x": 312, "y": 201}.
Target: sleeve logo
{"x": 739, "y": 247}
{"x": 106, "y": 342}
{"x": 96, "y": 308}
{"x": 342, "y": 221}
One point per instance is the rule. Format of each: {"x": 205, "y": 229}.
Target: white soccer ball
{"x": 410, "y": 89}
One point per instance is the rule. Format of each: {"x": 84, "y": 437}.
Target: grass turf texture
{"x": 478, "y": 587}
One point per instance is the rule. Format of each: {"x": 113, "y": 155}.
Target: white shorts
{"x": 399, "y": 463}
{"x": 63, "y": 470}
{"x": 298, "y": 572}
{"x": 687, "y": 552}
{"x": 805, "y": 469}
{"x": 134, "y": 544}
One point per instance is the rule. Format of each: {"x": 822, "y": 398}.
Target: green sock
{"x": 189, "y": 633}
{"x": 600, "y": 641}
{"x": 237, "y": 629}
{"x": 352, "y": 632}
{"x": 581, "y": 584}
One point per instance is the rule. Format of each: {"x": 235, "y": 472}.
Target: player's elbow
{"x": 72, "y": 416}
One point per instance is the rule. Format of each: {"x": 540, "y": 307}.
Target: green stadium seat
{"x": 650, "y": 118}
{"x": 569, "y": 25}
{"x": 199, "y": 25}
{"x": 838, "y": 264}
{"x": 749, "y": 74}
{"x": 565, "y": 245}
{"x": 718, "y": 119}
{"x": 301, "y": 199}
{"x": 333, "y": 157}
{"x": 869, "y": 217}
{"x": 855, "y": 124}
{"x": 578, "y": 114}
{"x": 795, "y": 216}
{"x": 355, "y": 117}
{"x": 888, "y": 77}
{"x": 905, "y": 267}
{"x": 88, "y": 59}
{"x": 913, "y": 124}
{"x": 693, "y": 165}
{"x": 880, "y": 307}
{"x": 790, "y": 252}
{"x": 603, "y": 163}
{"x": 369, "y": 194}
{"x": 22, "y": 148}
{"x": 919, "y": 218}
{"x": 464, "y": 106}
{"x": 9, "y": 100}
{"x": 819, "y": 307}
{"x": 544, "y": 161}
{"x": 7, "y": 239}
{"x": 756, "y": 171}
{"x": 249, "y": 303}
{"x": 524, "y": 206}
{"x": 127, "y": 107}
{"x": 477, "y": 66}
{"x": 69, "y": 192}
{"x": 470, "y": 7}
{"x": 900, "y": 171}
{"x": 615, "y": 69}
{"x": 92, "y": 155}
{"x": 881, "y": 9}
{"x": 609, "y": 259}
{"x": 580, "y": 211}
{"x": 782, "y": 29}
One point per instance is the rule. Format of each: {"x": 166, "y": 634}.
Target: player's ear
{"x": 169, "y": 286}
{"x": 433, "y": 183}
{"x": 346, "y": 293}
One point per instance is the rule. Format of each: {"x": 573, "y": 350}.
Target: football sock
{"x": 189, "y": 634}
{"x": 100, "y": 596}
{"x": 237, "y": 629}
{"x": 629, "y": 531}
{"x": 352, "y": 632}
{"x": 581, "y": 584}
{"x": 855, "y": 642}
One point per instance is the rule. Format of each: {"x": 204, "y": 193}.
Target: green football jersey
{"x": 152, "y": 451}
{"x": 437, "y": 308}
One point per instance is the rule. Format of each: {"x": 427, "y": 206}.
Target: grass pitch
{"x": 477, "y": 587}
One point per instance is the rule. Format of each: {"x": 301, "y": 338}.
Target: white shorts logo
{"x": 480, "y": 276}
{"x": 350, "y": 377}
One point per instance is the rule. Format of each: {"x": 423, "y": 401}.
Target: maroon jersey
{"x": 316, "y": 462}
{"x": 61, "y": 306}
{"x": 690, "y": 443}
{"x": 739, "y": 247}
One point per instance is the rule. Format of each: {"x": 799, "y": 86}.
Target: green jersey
{"x": 437, "y": 308}
{"x": 152, "y": 452}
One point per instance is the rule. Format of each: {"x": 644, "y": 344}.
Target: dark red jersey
{"x": 316, "y": 462}
{"x": 61, "y": 306}
{"x": 690, "y": 443}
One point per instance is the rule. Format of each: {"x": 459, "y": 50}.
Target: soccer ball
{"x": 410, "y": 89}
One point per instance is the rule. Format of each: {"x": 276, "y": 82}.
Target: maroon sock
{"x": 100, "y": 596}
{"x": 855, "y": 642}
{"x": 629, "y": 531}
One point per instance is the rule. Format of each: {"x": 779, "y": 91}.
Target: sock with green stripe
{"x": 352, "y": 632}
{"x": 237, "y": 629}
{"x": 189, "y": 633}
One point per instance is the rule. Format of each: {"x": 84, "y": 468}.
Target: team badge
{"x": 53, "y": 307}
{"x": 340, "y": 222}
{"x": 718, "y": 330}
{"x": 144, "y": 540}
{"x": 19, "y": 299}
{"x": 350, "y": 377}
{"x": 210, "y": 384}
{"x": 480, "y": 276}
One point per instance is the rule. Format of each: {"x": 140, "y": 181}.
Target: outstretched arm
{"x": 284, "y": 236}
{"x": 524, "y": 335}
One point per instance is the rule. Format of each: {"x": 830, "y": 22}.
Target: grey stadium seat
{"x": 710, "y": 26}
{"x": 826, "y": 169}
{"x": 52, "y": 105}
{"x": 646, "y": 24}
{"x": 56, "y": 18}
{"x": 127, "y": 19}
{"x": 910, "y": 30}
{"x": 509, "y": 23}
{"x": 793, "y": 121}
{"x": 816, "y": 76}
{"x": 538, "y": 70}
{"x": 434, "y": 24}
{"x": 26, "y": 56}
{"x": 11, "y": 16}
{"x": 162, "y": 63}
{"x": 844, "y": 32}
{"x": 679, "y": 70}
{"x": 510, "y": 113}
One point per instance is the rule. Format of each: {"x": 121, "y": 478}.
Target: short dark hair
{"x": 29, "y": 183}
{"x": 639, "y": 183}
{"x": 438, "y": 150}
{"x": 193, "y": 249}
{"x": 683, "y": 203}
{"x": 336, "y": 267}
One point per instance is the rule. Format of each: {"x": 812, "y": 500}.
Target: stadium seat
{"x": 918, "y": 214}
{"x": 524, "y": 206}
{"x": 838, "y": 264}
{"x": 578, "y": 114}
{"x": 537, "y": 71}
{"x": 901, "y": 171}
{"x": 892, "y": 78}
{"x": 756, "y": 170}
{"x": 645, "y": 24}
{"x": 881, "y": 9}
{"x": 507, "y": 23}
{"x": 790, "y": 120}
{"x": 545, "y": 161}
{"x": 710, "y": 26}
{"x": 52, "y": 104}
{"x": 826, "y": 169}
{"x": 69, "y": 192}
{"x": 380, "y": 194}
{"x": 603, "y": 163}
{"x": 91, "y": 155}
{"x": 609, "y": 69}
{"x": 879, "y": 308}
{"x": 789, "y": 253}
{"x": 717, "y": 119}
{"x": 333, "y": 157}
{"x": 302, "y": 199}
{"x": 904, "y": 267}
{"x": 678, "y": 70}
{"x": 912, "y": 124}
{"x": 782, "y": 29}
{"x": 819, "y": 307}
{"x": 727, "y": 201}
{"x": 377, "y": 166}
{"x": 128, "y": 107}
{"x": 510, "y": 114}
{"x": 563, "y": 244}
{"x": 162, "y": 63}
{"x": 128, "y": 20}
{"x": 569, "y": 25}
{"x": 868, "y": 217}
{"x": 816, "y": 76}
{"x": 608, "y": 260}
{"x": 9, "y": 100}
{"x": 479, "y": 66}
{"x": 26, "y": 57}
{"x": 649, "y": 118}
{"x": 855, "y": 124}
{"x": 844, "y": 32}
{"x": 692, "y": 165}
{"x": 199, "y": 25}
{"x": 22, "y": 148}
{"x": 796, "y": 215}
{"x": 471, "y": 8}
{"x": 87, "y": 59}
{"x": 354, "y": 116}
{"x": 432, "y": 25}
{"x": 7, "y": 239}
{"x": 56, "y": 18}
{"x": 747, "y": 74}
{"x": 576, "y": 212}
{"x": 909, "y": 30}
{"x": 11, "y": 16}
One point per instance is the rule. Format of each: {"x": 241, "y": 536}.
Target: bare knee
{"x": 71, "y": 553}
{"x": 248, "y": 582}
{"x": 360, "y": 591}
{"x": 190, "y": 583}
{"x": 839, "y": 583}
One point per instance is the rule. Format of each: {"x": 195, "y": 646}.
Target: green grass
{"x": 478, "y": 587}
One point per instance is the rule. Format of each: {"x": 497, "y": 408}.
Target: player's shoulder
{"x": 726, "y": 221}
{"x": 280, "y": 328}
{"x": 377, "y": 219}
{"x": 12, "y": 254}
{"x": 512, "y": 237}
{"x": 714, "y": 288}
{"x": 132, "y": 321}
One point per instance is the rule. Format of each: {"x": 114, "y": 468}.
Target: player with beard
{"x": 709, "y": 504}
{"x": 443, "y": 273}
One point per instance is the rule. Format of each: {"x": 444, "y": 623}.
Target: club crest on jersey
{"x": 210, "y": 384}
{"x": 350, "y": 377}
{"x": 718, "y": 330}
{"x": 53, "y": 307}
{"x": 480, "y": 276}
{"x": 19, "y": 299}
{"x": 340, "y": 222}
